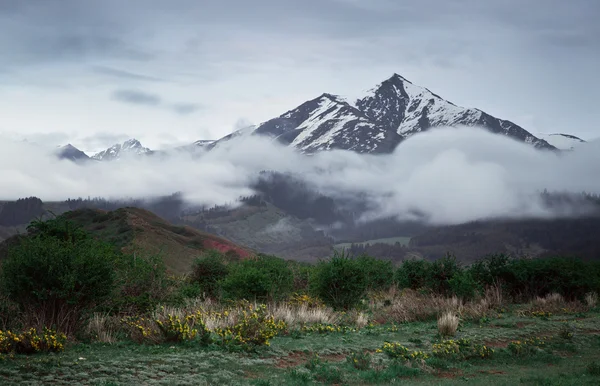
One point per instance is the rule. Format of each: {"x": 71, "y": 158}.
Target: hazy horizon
{"x": 451, "y": 175}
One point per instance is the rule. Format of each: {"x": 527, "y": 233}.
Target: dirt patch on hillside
{"x": 449, "y": 374}
{"x": 298, "y": 358}
{"x": 492, "y": 372}
{"x": 294, "y": 359}
{"x": 497, "y": 344}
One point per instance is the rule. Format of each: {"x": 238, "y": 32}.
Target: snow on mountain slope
{"x": 409, "y": 109}
{"x": 562, "y": 141}
{"x": 325, "y": 123}
{"x": 118, "y": 151}
{"x": 376, "y": 123}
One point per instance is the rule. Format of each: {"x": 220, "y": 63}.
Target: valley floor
{"x": 570, "y": 355}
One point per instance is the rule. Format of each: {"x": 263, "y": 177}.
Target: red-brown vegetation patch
{"x": 492, "y": 372}
{"x": 523, "y": 324}
{"x": 497, "y": 344}
{"x": 450, "y": 374}
{"x": 295, "y": 358}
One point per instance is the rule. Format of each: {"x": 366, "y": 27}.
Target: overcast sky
{"x": 95, "y": 72}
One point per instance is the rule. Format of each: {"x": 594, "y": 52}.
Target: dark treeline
{"x": 295, "y": 197}
{"x": 567, "y": 236}
{"x": 393, "y": 252}
{"x": 21, "y": 211}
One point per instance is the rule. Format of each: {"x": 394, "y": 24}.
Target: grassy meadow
{"x": 568, "y": 353}
{"x": 75, "y": 309}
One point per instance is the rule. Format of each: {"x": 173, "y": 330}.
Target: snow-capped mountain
{"x": 117, "y": 151}
{"x": 376, "y": 123}
{"x": 562, "y": 141}
{"x": 203, "y": 142}
{"x": 71, "y": 153}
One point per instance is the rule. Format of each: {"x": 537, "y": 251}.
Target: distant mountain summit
{"x": 376, "y": 123}
{"x": 72, "y": 153}
{"x": 118, "y": 151}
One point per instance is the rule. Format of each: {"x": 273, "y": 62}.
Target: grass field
{"x": 569, "y": 356}
{"x": 389, "y": 240}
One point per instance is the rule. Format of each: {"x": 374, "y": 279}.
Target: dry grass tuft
{"x": 297, "y": 315}
{"x": 409, "y": 306}
{"x": 448, "y": 324}
{"x": 591, "y": 299}
{"x": 554, "y": 303}
{"x": 102, "y": 328}
{"x": 294, "y": 314}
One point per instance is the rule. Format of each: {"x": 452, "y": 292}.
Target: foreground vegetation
{"x": 75, "y": 310}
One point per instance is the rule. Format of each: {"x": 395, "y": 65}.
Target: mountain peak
{"x": 71, "y": 153}
{"x": 130, "y": 147}
{"x": 131, "y": 143}
{"x": 397, "y": 77}
{"x": 393, "y": 110}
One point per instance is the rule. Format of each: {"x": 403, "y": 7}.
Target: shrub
{"x": 591, "y": 299}
{"x": 461, "y": 349}
{"x": 570, "y": 277}
{"x": 359, "y": 360}
{"x": 263, "y": 278}
{"x": 440, "y": 274}
{"x": 492, "y": 269}
{"x": 526, "y": 347}
{"x": 413, "y": 274}
{"x": 463, "y": 285}
{"x": 31, "y": 341}
{"x": 9, "y": 313}
{"x": 208, "y": 272}
{"x": 448, "y": 324}
{"x": 397, "y": 351}
{"x": 141, "y": 283}
{"x": 54, "y": 280}
{"x": 339, "y": 282}
{"x": 379, "y": 273}
{"x": 255, "y": 328}
{"x": 302, "y": 273}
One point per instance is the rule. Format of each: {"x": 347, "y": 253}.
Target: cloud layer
{"x": 450, "y": 175}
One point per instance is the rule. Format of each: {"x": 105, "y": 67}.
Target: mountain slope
{"x": 118, "y": 151}
{"x": 562, "y": 141}
{"x": 376, "y": 123}
{"x": 72, "y": 153}
{"x": 329, "y": 122}
{"x": 140, "y": 231}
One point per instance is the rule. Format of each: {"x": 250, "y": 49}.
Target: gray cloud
{"x": 122, "y": 74}
{"x": 185, "y": 108}
{"x": 99, "y": 141}
{"x": 136, "y": 97}
{"x": 449, "y": 175}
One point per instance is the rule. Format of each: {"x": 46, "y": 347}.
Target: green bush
{"x": 441, "y": 272}
{"x": 263, "y": 278}
{"x": 463, "y": 285}
{"x": 522, "y": 279}
{"x": 339, "y": 281}
{"x": 208, "y": 272}
{"x": 413, "y": 274}
{"x": 141, "y": 283}
{"x": 379, "y": 274}
{"x": 302, "y": 273}
{"x": 57, "y": 278}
